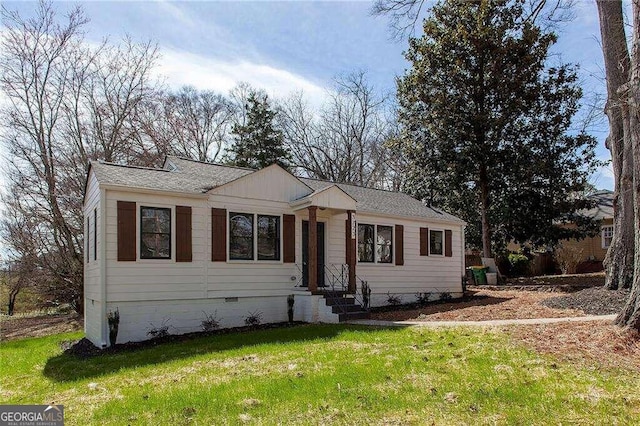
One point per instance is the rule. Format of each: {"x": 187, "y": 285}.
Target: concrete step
{"x": 341, "y": 309}
{"x": 330, "y": 301}
{"x": 353, "y": 316}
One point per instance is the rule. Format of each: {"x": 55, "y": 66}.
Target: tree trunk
{"x": 620, "y": 256}
{"x": 12, "y": 302}
{"x": 484, "y": 212}
{"x": 630, "y": 315}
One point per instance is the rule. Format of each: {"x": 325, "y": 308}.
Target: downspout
{"x": 103, "y": 268}
{"x": 462, "y": 257}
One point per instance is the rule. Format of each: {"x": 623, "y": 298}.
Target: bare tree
{"x": 405, "y": 15}
{"x": 344, "y": 141}
{"x": 67, "y": 103}
{"x": 194, "y": 124}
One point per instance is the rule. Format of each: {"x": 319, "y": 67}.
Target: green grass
{"x": 320, "y": 374}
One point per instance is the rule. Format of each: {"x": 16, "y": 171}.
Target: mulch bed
{"x": 592, "y": 301}
{"x": 83, "y": 348}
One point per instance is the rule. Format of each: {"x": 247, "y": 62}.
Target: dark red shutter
{"x": 424, "y": 241}
{"x": 289, "y": 238}
{"x": 126, "y": 231}
{"x": 183, "y": 234}
{"x": 218, "y": 235}
{"x": 448, "y": 251}
{"x": 399, "y": 245}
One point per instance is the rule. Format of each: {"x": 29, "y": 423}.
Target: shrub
{"x": 519, "y": 264}
{"x": 210, "y": 322}
{"x": 422, "y": 298}
{"x": 393, "y": 299}
{"x": 158, "y": 332}
{"x": 366, "y": 295}
{"x": 254, "y": 318}
{"x": 568, "y": 258}
{"x": 290, "y": 301}
{"x": 113, "y": 320}
{"x": 445, "y": 296}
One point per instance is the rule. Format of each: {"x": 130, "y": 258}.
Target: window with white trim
{"x": 436, "y": 242}
{"x": 155, "y": 233}
{"x": 251, "y": 234}
{"x": 375, "y": 243}
{"x": 607, "y": 235}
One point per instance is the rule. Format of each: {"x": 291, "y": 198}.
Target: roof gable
{"x": 272, "y": 183}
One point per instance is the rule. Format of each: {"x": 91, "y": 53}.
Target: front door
{"x": 305, "y": 253}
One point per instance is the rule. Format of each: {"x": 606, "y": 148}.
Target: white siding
{"x": 419, "y": 274}
{"x": 92, "y": 283}
{"x": 152, "y": 291}
{"x": 271, "y": 183}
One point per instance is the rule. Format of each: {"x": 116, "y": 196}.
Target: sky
{"x": 299, "y": 45}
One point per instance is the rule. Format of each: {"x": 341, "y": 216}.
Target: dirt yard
{"x": 21, "y": 327}
{"x": 485, "y": 305}
{"x": 600, "y": 343}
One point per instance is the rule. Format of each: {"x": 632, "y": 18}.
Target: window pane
{"x": 155, "y": 233}
{"x": 365, "y": 243}
{"x": 436, "y": 242}
{"x": 384, "y": 245}
{"x": 268, "y": 237}
{"x": 241, "y": 236}
{"x": 154, "y": 246}
{"x": 156, "y": 220}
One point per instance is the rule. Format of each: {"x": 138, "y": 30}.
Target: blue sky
{"x": 291, "y": 45}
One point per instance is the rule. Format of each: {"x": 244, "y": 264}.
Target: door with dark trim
{"x": 305, "y": 253}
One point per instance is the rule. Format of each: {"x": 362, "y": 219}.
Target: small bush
{"x": 423, "y": 298}
{"x": 445, "y": 296}
{"x": 366, "y": 295}
{"x": 393, "y": 299}
{"x": 568, "y": 258}
{"x": 519, "y": 264}
{"x": 254, "y": 318}
{"x": 158, "y": 332}
{"x": 210, "y": 322}
{"x": 291, "y": 299}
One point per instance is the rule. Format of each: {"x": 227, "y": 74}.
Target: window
{"x": 375, "y": 240}
{"x": 268, "y": 237}
{"x": 607, "y": 236}
{"x": 240, "y": 236}
{"x": 384, "y": 246}
{"x": 244, "y": 233}
{"x": 365, "y": 243}
{"x": 436, "y": 245}
{"x": 155, "y": 233}
{"x": 95, "y": 234}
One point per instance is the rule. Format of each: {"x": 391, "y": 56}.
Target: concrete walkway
{"x": 491, "y": 323}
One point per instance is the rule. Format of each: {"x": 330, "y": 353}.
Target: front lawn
{"x": 331, "y": 374}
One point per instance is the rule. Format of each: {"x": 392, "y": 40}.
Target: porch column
{"x": 351, "y": 250}
{"x": 313, "y": 249}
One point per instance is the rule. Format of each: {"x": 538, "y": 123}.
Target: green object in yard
{"x": 479, "y": 274}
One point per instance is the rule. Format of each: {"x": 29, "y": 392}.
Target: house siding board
{"x": 272, "y": 184}
{"x": 92, "y": 268}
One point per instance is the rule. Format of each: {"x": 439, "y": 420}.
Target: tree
{"x": 193, "y": 124}
{"x": 67, "y": 102}
{"x": 258, "y": 143}
{"x": 345, "y": 140}
{"x": 619, "y": 259}
{"x": 487, "y": 126}
{"x": 622, "y": 70}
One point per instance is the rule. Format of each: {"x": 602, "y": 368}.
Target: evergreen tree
{"x": 258, "y": 142}
{"x": 486, "y": 125}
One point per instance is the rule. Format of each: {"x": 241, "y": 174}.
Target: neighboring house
{"x": 594, "y": 249}
{"x": 170, "y": 246}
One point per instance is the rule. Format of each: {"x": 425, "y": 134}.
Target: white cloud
{"x": 185, "y": 68}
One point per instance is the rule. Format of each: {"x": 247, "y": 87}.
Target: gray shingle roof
{"x": 604, "y": 205}
{"x": 188, "y": 176}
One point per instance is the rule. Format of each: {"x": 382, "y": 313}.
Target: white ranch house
{"x": 171, "y": 245}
